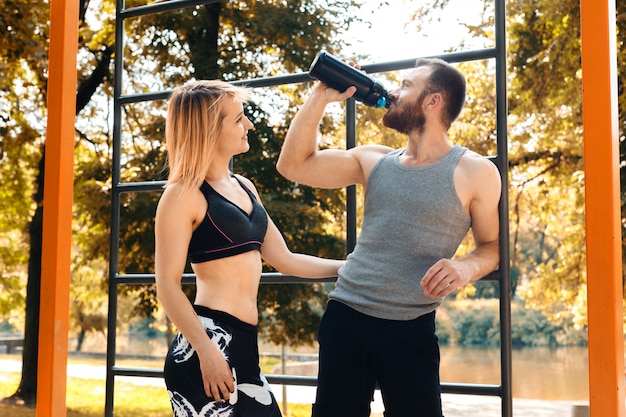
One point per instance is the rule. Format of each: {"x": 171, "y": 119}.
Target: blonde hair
{"x": 194, "y": 119}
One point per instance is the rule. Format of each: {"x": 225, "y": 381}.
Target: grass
{"x": 86, "y": 396}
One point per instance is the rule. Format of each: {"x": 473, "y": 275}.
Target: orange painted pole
{"x": 602, "y": 202}
{"x": 57, "y": 215}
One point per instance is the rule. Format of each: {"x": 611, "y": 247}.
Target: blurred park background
{"x": 237, "y": 40}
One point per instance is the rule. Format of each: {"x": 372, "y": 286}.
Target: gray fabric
{"x": 412, "y": 218}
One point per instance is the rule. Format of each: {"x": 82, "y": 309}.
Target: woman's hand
{"x": 216, "y": 375}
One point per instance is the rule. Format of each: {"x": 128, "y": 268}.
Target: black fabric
{"x": 238, "y": 342}
{"x": 358, "y": 351}
{"x": 227, "y": 230}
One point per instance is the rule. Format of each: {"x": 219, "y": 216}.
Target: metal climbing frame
{"x": 503, "y": 390}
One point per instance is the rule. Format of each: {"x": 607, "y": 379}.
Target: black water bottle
{"x": 338, "y": 75}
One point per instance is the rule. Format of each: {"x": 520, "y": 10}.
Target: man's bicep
{"x": 485, "y": 213}
{"x": 329, "y": 168}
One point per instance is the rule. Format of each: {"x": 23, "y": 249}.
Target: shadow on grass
{"x": 86, "y": 398}
{"x": 7, "y": 410}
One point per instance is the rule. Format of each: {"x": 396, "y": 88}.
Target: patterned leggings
{"x": 238, "y": 342}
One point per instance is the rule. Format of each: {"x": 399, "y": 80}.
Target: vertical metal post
{"x": 57, "y": 203}
{"x": 115, "y": 209}
{"x": 283, "y": 366}
{"x": 602, "y": 205}
{"x": 351, "y": 190}
{"x": 502, "y": 161}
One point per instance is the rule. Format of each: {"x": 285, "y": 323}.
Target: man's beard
{"x": 406, "y": 118}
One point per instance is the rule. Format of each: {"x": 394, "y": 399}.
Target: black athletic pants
{"x": 358, "y": 351}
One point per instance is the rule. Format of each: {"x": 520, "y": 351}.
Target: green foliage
{"x": 545, "y": 147}
{"x": 222, "y": 40}
{"x": 242, "y": 40}
{"x": 6, "y": 327}
{"x": 547, "y": 173}
{"x": 22, "y": 90}
{"x": 473, "y": 323}
{"x": 476, "y": 323}
{"x": 531, "y": 328}
{"x": 621, "y": 76}
{"x": 290, "y": 313}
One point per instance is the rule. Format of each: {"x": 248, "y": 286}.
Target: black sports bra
{"x": 227, "y": 230}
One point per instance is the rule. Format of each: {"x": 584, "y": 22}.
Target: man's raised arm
{"x": 300, "y": 159}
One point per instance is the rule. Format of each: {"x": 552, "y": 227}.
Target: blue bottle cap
{"x": 381, "y": 102}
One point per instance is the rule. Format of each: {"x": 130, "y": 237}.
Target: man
{"x": 420, "y": 202}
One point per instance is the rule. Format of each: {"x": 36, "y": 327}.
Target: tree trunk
{"x": 202, "y": 39}
{"x": 80, "y": 339}
{"x": 26, "y": 393}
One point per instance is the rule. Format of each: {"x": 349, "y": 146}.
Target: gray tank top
{"x": 412, "y": 218}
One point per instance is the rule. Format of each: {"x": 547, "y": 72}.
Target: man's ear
{"x": 433, "y": 100}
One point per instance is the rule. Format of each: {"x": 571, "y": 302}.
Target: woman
{"x": 216, "y": 219}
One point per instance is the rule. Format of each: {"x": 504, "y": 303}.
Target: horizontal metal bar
{"x": 466, "y": 389}
{"x": 471, "y": 389}
{"x": 165, "y": 6}
{"x": 305, "y": 77}
{"x": 272, "y": 378}
{"x": 128, "y": 187}
{"x": 492, "y": 276}
{"x": 278, "y": 278}
{"x": 139, "y": 372}
{"x": 139, "y": 279}
{"x": 266, "y": 278}
{"x": 251, "y": 83}
{"x": 452, "y": 57}
{"x": 137, "y": 98}
{"x": 311, "y": 381}
{"x": 307, "y": 381}
{"x": 158, "y": 185}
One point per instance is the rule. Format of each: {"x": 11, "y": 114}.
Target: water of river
{"x": 538, "y": 373}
